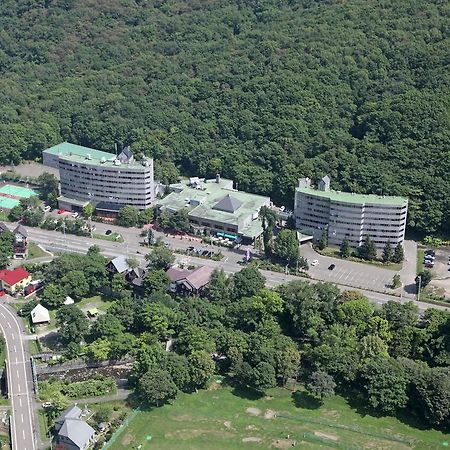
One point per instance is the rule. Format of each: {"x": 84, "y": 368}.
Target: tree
{"x": 424, "y": 278}
{"x": 387, "y": 252}
{"x": 263, "y": 376}
{"x": 201, "y": 368}
{"x": 161, "y": 257}
{"x": 321, "y": 384}
{"x": 385, "y": 384}
{"x": 344, "y": 249}
{"x": 53, "y": 296}
{"x": 247, "y": 282}
{"x": 103, "y": 413}
{"x": 399, "y": 254}
{"x": 268, "y": 218}
{"x": 128, "y": 216}
{"x": 156, "y": 281}
{"x": 49, "y": 185}
{"x": 119, "y": 285}
{"x": 89, "y": 210}
{"x": 287, "y": 362}
{"x": 323, "y": 241}
{"x": 367, "y": 250}
{"x": 98, "y": 350}
{"x": 287, "y": 247}
{"x": 75, "y": 284}
{"x": 73, "y": 324}
{"x": 179, "y": 221}
{"x": 218, "y": 288}
{"x": 145, "y": 216}
{"x": 107, "y": 326}
{"x": 396, "y": 281}
{"x": 33, "y": 217}
{"x": 177, "y": 366}
{"x": 156, "y": 387}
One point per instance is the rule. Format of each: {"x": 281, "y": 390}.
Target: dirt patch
{"x": 214, "y": 386}
{"x": 227, "y": 424}
{"x": 253, "y": 411}
{"x": 326, "y": 435}
{"x": 270, "y": 414}
{"x": 268, "y": 397}
{"x": 251, "y": 439}
{"x": 127, "y": 440}
{"x": 331, "y": 414}
{"x": 283, "y": 443}
{"x": 251, "y": 427}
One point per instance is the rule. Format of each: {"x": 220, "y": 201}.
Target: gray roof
{"x": 72, "y": 412}
{"x": 3, "y": 227}
{"x": 126, "y": 155}
{"x": 228, "y": 204}
{"x": 78, "y": 431}
{"x": 120, "y": 263}
{"x": 21, "y": 230}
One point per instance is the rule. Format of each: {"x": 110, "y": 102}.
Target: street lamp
{"x": 419, "y": 279}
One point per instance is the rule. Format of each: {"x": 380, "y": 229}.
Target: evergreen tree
{"x": 367, "y": 250}
{"x": 399, "y": 254}
{"x": 344, "y": 250}
{"x": 387, "y": 252}
{"x": 323, "y": 241}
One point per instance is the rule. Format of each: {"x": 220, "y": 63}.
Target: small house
{"x": 118, "y": 265}
{"x": 189, "y": 282}
{"x": 39, "y": 315}
{"x": 13, "y": 281}
{"x": 20, "y": 245}
{"x": 73, "y": 433}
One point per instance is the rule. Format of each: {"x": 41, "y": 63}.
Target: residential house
{"x": 135, "y": 277}
{"x": 40, "y": 314}
{"x": 118, "y": 265}
{"x": 12, "y": 281}
{"x": 189, "y": 282}
{"x": 20, "y": 246}
{"x": 72, "y": 433}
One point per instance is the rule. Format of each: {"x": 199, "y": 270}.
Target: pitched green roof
{"x": 348, "y": 197}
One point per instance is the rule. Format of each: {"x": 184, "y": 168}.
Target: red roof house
{"x": 14, "y": 280}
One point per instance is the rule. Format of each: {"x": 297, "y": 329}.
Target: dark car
{"x": 108, "y": 232}
{"x": 331, "y": 266}
{"x": 430, "y": 252}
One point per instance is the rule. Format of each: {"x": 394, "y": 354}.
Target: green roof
{"x": 348, "y": 197}
{"x": 78, "y": 153}
{"x": 246, "y": 204}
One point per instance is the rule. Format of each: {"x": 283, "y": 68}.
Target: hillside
{"x": 263, "y": 91}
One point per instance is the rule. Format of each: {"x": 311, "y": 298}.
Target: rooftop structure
{"x": 344, "y": 215}
{"x": 214, "y": 204}
{"x": 189, "y": 281}
{"x": 72, "y": 431}
{"x": 40, "y": 314}
{"x": 12, "y": 277}
{"x": 107, "y": 180}
{"x": 118, "y": 265}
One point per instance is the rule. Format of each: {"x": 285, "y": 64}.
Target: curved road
{"x": 20, "y": 384}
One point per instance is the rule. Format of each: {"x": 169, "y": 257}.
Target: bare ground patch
{"x": 283, "y": 443}
{"x": 227, "y": 424}
{"x": 251, "y": 439}
{"x": 270, "y": 414}
{"x": 127, "y": 440}
{"x": 326, "y": 435}
{"x": 331, "y": 414}
{"x": 251, "y": 427}
{"x": 253, "y": 411}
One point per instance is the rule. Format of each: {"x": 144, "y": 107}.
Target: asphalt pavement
{"x": 20, "y": 383}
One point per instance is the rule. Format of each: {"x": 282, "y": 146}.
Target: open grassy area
{"x": 420, "y": 256}
{"x": 114, "y": 237}
{"x": 100, "y": 302}
{"x": 34, "y": 251}
{"x": 225, "y": 419}
{"x": 3, "y": 216}
{"x": 334, "y": 252}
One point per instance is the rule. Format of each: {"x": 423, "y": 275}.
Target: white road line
{"x": 13, "y": 337}
{"x": 9, "y": 324}
{"x": 18, "y": 388}
{"x": 3, "y": 315}
{"x": 15, "y": 349}
{"x": 20, "y": 401}
{"x": 21, "y": 417}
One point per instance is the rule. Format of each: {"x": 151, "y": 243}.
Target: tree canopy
{"x": 262, "y": 92}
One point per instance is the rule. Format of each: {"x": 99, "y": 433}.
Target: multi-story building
{"x": 216, "y": 206}
{"x": 107, "y": 181}
{"x": 344, "y": 215}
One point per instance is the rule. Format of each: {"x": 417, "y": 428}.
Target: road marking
{"x": 18, "y": 375}
{"x": 15, "y": 349}
{"x": 9, "y": 324}
{"x": 23, "y": 434}
{"x": 18, "y": 388}
{"x": 21, "y": 417}
{"x": 13, "y": 337}
{"x": 20, "y": 401}
{"x": 3, "y": 315}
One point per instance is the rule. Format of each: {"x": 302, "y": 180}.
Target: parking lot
{"x": 349, "y": 273}
{"x": 441, "y": 273}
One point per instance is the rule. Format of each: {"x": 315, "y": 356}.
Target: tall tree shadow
{"x": 305, "y": 400}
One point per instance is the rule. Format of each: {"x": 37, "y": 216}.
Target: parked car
{"x": 75, "y": 214}
{"x": 429, "y": 265}
{"x": 108, "y": 232}
{"x": 2, "y": 293}
{"x": 61, "y": 211}
{"x": 47, "y": 208}
{"x": 315, "y": 262}
{"x": 331, "y": 266}
{"x": 47, "y": 405}
{"x": 430, "y": 252}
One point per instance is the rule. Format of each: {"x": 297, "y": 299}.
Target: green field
{"x": 34, "y": 251}
{"x": 224, "y": 420}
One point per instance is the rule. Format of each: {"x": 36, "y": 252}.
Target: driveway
{"x": 352, "y": 274}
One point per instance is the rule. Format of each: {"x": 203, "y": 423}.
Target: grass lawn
{"x": 3, "y": 216}
{"x": 34, "y": 347}
{"x": 420, "y": 256}
{"x": 114, "y": 237}
{"x": 43, "y": 428}
{"x": 34, "y": 251}
{"x": 225, "y": 419}
{"x": 334, "y": 252}
{"x": 100, "y": 302}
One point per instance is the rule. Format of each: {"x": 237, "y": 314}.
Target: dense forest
{"x": 263, "y": 91}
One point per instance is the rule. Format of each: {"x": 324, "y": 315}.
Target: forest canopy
{"x": 262, "y": 91}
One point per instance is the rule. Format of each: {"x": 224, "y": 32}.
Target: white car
{"x": 47, "y": 208}
{"x": 47, "y": 405}
{"x": 315, "y": 262}
{"x": 75, "y": 214}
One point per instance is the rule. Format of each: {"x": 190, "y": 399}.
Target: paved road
{"x": 20, "y": 384}
{"x": 56, "y": 242}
